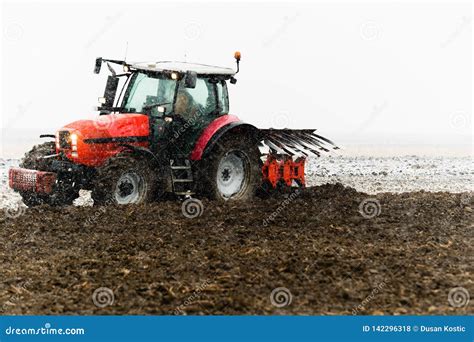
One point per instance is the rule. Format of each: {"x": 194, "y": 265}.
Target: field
{"x": 328, "y": 249}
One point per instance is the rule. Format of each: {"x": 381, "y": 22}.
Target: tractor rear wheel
{"x": 124, "y": 179}
{"x": 233, "y": 169}
{"x": 63, "y": 194}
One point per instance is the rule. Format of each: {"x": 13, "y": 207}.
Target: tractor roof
{"x": 181, "y": 67}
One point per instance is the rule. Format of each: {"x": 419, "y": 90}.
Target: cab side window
{"x": 196, "y": 102}
{"x": 222, "y": 98}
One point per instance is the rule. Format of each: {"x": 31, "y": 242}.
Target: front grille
{"x": 22, "y": 180}
{"x": 31, "y": 180}
{"x": 64, "y": 139}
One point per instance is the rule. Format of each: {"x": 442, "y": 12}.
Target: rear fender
{"x": 209, "y": 132}
{"x": 236, "y": 128}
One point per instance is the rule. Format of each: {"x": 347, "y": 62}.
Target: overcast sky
{"x": 369, "y": 73}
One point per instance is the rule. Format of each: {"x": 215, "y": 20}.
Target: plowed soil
{"x": 315, "y": 243}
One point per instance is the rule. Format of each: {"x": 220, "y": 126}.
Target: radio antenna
{"x": 126, "y": 51}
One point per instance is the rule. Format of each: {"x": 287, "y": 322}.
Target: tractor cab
{"x": 180, "y": 99}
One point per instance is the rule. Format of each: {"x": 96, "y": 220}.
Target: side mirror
{"x": 190, "y": 79}
{"x": 98, "y": 65}
{"x": 110, "y": 91}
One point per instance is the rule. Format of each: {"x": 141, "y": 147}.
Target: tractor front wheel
{"x": 124, "y": 179}
{"x": 233, "y": 169}
{"x": 63, "y": 193}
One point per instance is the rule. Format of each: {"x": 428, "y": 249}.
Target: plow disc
{"x": 296, "y": 142}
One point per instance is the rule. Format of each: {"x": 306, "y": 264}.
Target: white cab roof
{"x": 200, "y": 69}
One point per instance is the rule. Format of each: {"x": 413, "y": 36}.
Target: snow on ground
{"x": 8, "y": 198}
{"x": 366, "y": 174}
{"x": 393, "y": 174}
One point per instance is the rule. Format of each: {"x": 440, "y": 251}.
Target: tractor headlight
{"x": 57, "y": 140}
{"x": 73, "y": 139}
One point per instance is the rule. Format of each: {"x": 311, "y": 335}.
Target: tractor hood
{"x": 110, "y": 126}
{"x": 92, "y": 142}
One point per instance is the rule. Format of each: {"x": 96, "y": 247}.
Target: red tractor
{"x": 167, "y": 131}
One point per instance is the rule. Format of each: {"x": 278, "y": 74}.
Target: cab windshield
{"x": 148, "y": 92}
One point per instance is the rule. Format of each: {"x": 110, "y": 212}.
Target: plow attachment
{"x": 284, "y": 144}
{"x": 296, "y": 142}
